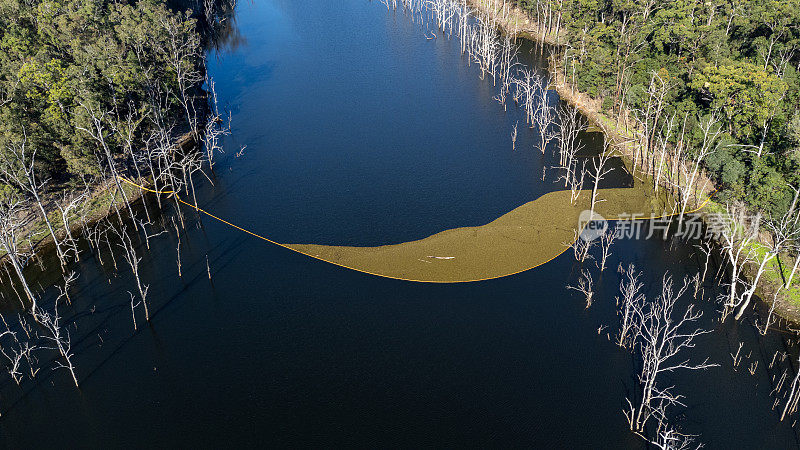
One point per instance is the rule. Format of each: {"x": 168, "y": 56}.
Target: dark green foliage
{"x": 56, "y": 55}
{"x": 736, "y": 58}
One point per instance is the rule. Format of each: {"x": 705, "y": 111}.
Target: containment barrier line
{"x": 219, "y": 219}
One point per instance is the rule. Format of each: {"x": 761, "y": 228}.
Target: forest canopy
{"x": 76, "y": 75}
{"x": 736, "y": 59}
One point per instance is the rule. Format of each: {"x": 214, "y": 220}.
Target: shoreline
{"x": 523, "y": 27}
{"x": 102, "y": 201}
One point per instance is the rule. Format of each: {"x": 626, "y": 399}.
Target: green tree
{"x": 745, "y": 93}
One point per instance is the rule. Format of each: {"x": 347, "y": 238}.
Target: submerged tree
{"x": 585, "y": 286}
{"x": 133, "y": 260}
{"x": 629, "y": 304}
{"x": 59, "y": 337}
{"x": 661, "y": 338}
{"x": 12, "y": 221}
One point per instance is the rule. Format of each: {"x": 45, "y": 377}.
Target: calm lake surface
{"x": 360, "y": 131}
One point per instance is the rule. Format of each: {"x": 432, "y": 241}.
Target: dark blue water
{"x": 361, "y": 131}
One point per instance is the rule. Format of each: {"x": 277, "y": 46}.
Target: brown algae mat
{"x": 522, "y": 239}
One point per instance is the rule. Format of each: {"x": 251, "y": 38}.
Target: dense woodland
{"x": 65, "y": 63}
{"x": 91, "y": 90}
{"x": 735, "y": 59}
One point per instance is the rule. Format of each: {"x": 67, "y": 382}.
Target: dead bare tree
{"x": 629, "y": 305}
{"x": 544, "y": 116}
{"x": 670, "y": 439}
{"x": 736, "y": 240}
{"x": 59, "y": 337}
{"x": 783, "y": 232}
{"x": 133, "y": 260}
{"x": 599, "y": 172}
{"x": 514, "y": 137}
{"x": 770, "y": 319}
{"x": 183, "y": 52}
{"x": 67, "y": 207}
{"x": 606, "y": 240}
{"x": 706, "y": 249}
{"x": 585, "y": 286}
{"x": 792, "y": 219}
{"x": 13, "y": 352}
{"x": 660, "y": 339}
{"x": 147, "y": 235}
{"x": 134, "y": 304}
{"x": 574, "y": 177}
{"x": 525, "y": 91}
{"x": 485, "y": 46}
{"x": 97, "y": 130}
{"x": 12, "y": 221}
{"x": 178, "y": 245}
{"x": 690, "y": 166}
{"x": 571, "y": 123}
{"x": 507, "y": 62}
{"x": 794, "y": 396}
{"x": 580, "y": 246}
{"x": 19, "y": 170}
{"x": 216, "y": 126}
{"x": 649, "y": 119}
{"x": 69, "y": 279}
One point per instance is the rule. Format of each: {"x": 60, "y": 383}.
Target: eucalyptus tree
{"x": 783, "y": 232}
{"x": 182, "y": 52}
{"x": 67, "y": 207}
{"x": 691, "y": 165}
{"x": 737, "y": 238}
{"x": 18, "y": 169}
{"x": 96, "y": 119}
{"x": 12, "y": 222}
